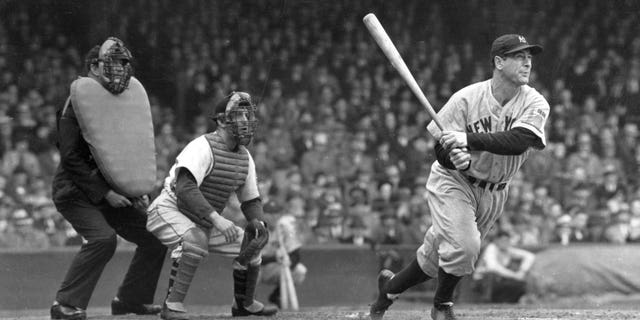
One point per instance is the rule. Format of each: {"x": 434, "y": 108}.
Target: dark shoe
{"x": 274, "y": 298}
{"x": 119, "y": 307}
{"x": 262, "y": 310}
{"x": 59, "y": 312}
{"x": 380, "y": 306}
{"x": 443, "y": 311}
{"x": 168, "y": 314}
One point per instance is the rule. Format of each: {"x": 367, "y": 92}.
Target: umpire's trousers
{"x": 99, "y": 224}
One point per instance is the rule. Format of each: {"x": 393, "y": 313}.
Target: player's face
{"x": 517, "y": 67}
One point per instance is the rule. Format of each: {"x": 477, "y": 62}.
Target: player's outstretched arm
{"x": 511, "y": 142}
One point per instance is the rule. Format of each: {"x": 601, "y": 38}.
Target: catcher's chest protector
{"x": 119, "y": 131}
{"x": 229, "y": 172}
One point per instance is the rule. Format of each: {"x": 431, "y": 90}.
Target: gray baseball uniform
{"x": 464, "y": 205}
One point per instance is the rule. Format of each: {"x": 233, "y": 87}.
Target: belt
{"x": 483, "y": 184}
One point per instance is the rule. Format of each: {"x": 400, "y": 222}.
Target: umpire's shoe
{"x": 61, "y": 312}
{"x": 380, "y": 306}
{"x": 119, "y": 307}
{"x": 443, "y": 311}
{"x": 255, "y": 309}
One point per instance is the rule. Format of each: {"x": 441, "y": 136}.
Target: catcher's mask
{"x": 238, "y": 113}
{"x": 114, "y": 61}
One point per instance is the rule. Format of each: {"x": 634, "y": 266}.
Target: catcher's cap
{"x": 510, "y": 43}
{"x": 222, "y": 105}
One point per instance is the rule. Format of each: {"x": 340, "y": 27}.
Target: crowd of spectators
{"x": 342, "y": 141}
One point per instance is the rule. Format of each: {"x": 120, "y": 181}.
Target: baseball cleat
{"x": 119, "y": 307}
{"x": 169, "y": 314}
{"x": 443, "y": 311}
{"x": 255, "y": 309}
{"x": 380, "y": 306}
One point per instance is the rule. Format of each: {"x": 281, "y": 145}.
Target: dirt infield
{"x": 400, "y": 311}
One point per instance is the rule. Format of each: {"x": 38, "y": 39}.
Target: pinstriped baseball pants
{"x": 462, "y": 214}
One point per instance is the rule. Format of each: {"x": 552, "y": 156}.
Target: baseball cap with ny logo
{"x": 510, "y": 43}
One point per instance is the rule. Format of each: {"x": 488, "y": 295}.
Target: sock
{"x": 408, "y": 277}
{"x": 446, "y": 286}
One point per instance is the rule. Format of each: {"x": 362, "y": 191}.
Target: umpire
{"x": 97, "y": 212}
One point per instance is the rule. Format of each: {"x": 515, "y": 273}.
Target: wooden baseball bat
{"x": 291, "y": 290}
{"x": 288, "y": 294}
{"x": 385, "y": 43}
{"x": 284, "y": 287}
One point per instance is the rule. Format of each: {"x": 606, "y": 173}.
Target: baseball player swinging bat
{"x": 384, "y": 42}
{"x": 288, "y": 295}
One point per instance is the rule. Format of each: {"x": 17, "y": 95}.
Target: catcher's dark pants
{"x": 99, "y": 226}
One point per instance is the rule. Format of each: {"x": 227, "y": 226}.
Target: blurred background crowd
{"x": 342, "y": 143}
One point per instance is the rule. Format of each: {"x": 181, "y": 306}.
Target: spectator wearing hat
{"x": 586, "y": 158}
{"x": 329, "y": 226}
{"x": 21, "y": 156}
{"x": 319, "y": 159}
{"x": 303, "y": 141}
{"x": 384, "y": 198}
{"x": 391, "y": 231}
{"x": 21, "y": 234}
{"x": 359, "y": 207}
{"x": 611, "y": 186}
{"x": 502, "y": 268}
{"x": 357, "y": 233}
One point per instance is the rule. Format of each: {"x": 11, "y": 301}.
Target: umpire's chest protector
{"x": 229, "y": 172}
{"x": 119, "y": 131}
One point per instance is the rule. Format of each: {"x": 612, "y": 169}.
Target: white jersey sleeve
{"x": 195, "y": 157}
{"x": 534, "y": 114}
{"x": 249, "y": 190}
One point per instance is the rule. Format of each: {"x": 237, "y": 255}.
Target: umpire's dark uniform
{"x": 78, "y": 192}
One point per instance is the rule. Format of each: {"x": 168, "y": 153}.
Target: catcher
{"x": 186, "y": 216}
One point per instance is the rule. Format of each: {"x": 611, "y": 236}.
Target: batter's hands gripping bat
{"x": 384, "y": 42}
{"x": 288, "y": 295}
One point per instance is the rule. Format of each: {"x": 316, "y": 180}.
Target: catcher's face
{"x": 242, "y": 123}
{"x": 517, "y": 67}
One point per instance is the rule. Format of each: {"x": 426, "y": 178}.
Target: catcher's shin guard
{"x": 245, "y": 281}
{"x": 183, "y": 270}
{"x": 246, "y": 266}
{"x": 239, "y": 284}
{"x": 252, "y": 281}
